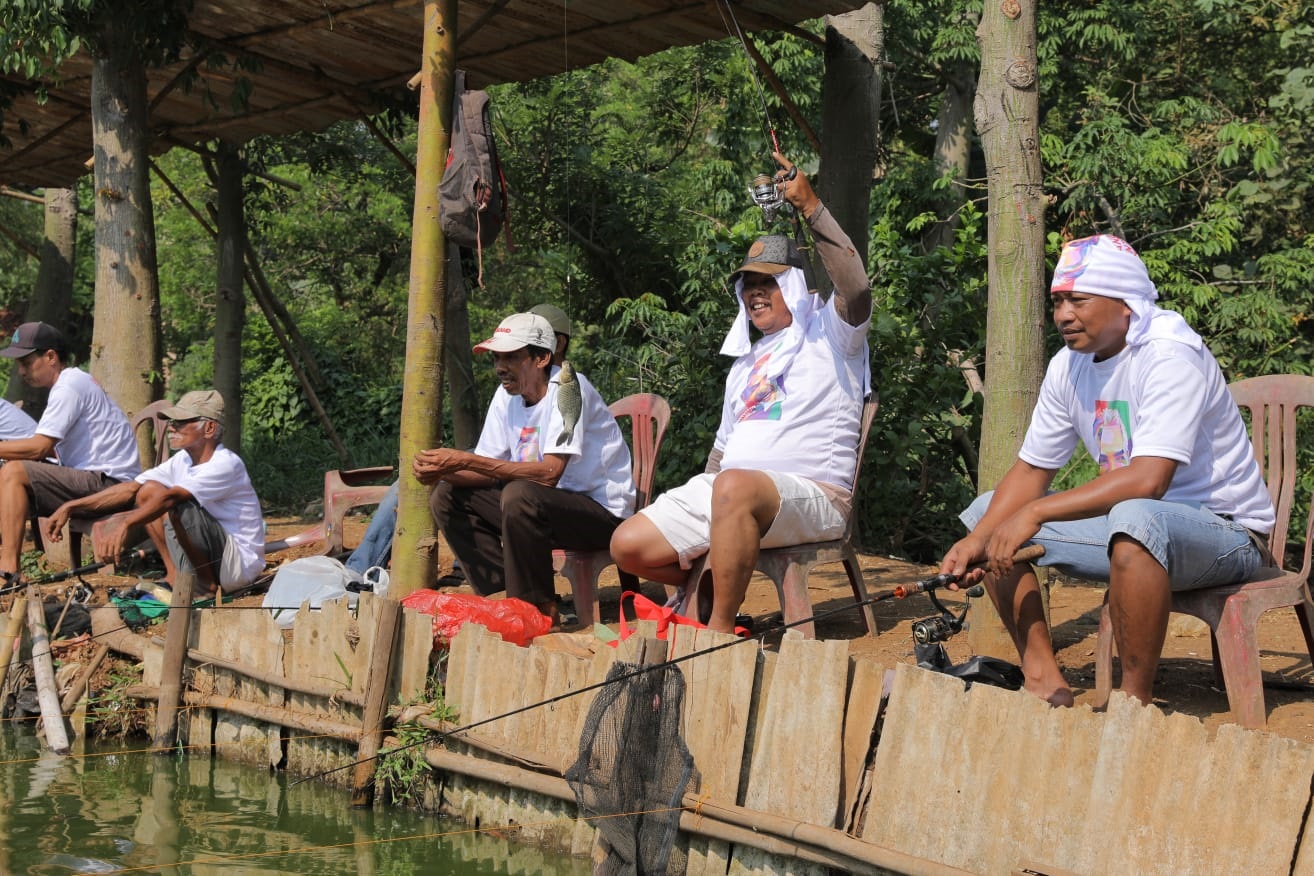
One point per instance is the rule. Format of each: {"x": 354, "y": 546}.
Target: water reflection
{"x": 116, "y": 811}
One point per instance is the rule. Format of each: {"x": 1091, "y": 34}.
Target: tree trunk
{"x": 953, "y": 152}
{"x": 125, "y": 349}
{"x": 53, "y": 294}
{"x": 462, "y": 395}
{"x": 1007, "y": 109}
{"x": 414, "y": 554}
{"x": 230, "y": 300}
{"x": 850, "y": 112}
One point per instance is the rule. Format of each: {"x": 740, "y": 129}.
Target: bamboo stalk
{"x": 291, "y": 685}
{"x": 13, "y": 632}
{"x": 771, "y": 833}
{"x": 280, "y": 715}
{"x": 74, "y": 693}
{"x": 376, "y": 703}
{"x": 43, "y": 671}
{"x": 175, "y": 658}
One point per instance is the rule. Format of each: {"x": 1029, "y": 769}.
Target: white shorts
{"x": 684, "y": 515}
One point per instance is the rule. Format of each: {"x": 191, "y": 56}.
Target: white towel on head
{"x": 794, "y": 288}
{"x": 1107, "y": 266}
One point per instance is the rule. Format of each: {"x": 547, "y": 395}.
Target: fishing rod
{"x": 78, "y": 572}
{"x": 927, "y": 585}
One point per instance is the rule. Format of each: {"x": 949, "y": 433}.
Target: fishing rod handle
{"x": 944, "y": 579}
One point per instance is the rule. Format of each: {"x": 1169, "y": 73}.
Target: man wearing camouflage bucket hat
{"x": 781, "y": 466}
{"x": 1179, "y": 502}
{"x": 198, "y": 507}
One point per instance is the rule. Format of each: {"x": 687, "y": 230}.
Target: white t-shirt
{"x": 599, "y": 463}
{"x": 806, "y": 421}
{"x": 14, "y": 422}
{"x": 222, "y": 487}
{"x": 90, "y": 431}
{"x": 1161, "y": 398}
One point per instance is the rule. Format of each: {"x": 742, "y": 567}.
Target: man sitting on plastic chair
{"x": 198, "y": 507}
{"x": 781, "y": 468}
{"x": 1179, "y": 502}
{"x": 551, "y": 471}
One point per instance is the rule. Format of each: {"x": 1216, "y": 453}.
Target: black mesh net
{"x": 633, "y": 768}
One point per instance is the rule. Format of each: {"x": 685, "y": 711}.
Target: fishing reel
{"x": 929, "y": 635}
{"x": 768, "y": 193}
{"x": 943, "y": 626}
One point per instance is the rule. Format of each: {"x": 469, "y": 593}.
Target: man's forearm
{"x": 844, "y": 265}
{"x": 108, "y": 500}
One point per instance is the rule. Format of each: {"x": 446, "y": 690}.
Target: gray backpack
{"x": 472, "y": 203}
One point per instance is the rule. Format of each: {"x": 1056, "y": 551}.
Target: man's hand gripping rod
{"x": 944, "y": 579}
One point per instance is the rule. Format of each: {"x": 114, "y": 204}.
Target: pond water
{"x": 122, "y": 810}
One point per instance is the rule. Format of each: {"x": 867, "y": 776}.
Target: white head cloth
{"x": 794, "y": 288}
{"x": 1107, "y": 266}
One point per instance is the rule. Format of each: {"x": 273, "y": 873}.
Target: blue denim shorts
{"x": 1195, "y": 545}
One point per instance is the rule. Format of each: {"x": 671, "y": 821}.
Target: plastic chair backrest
{"x": 1273, "y": 401}
{"x": 649, "y": 416}
{"x": 869, "y": 407}
{"x": 151, "y": 415}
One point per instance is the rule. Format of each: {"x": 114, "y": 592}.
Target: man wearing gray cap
{"x": 539, "y": 478}
{"x": 781, "y": 468}
{"x": 81, "y": 426}
{"x": 198, "y": 507}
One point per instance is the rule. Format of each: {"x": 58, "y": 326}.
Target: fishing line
{"x": 723, "y": 7}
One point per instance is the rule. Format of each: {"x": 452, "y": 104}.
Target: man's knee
{"x": 737, "y": 491}
{"x": 440, "y": 503}
{"x": 522, "y": 498}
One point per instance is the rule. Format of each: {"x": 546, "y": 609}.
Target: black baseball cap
{"x": 33, "y": 336}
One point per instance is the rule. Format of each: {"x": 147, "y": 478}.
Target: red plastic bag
{"x": 515, "y": 620}
{"x": 665, "y": 616}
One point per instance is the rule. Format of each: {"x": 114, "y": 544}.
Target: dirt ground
{"x": 1185, "y": 684}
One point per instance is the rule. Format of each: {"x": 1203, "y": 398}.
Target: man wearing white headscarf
{"x": 1179, "y": 502}
{"x": 781, "y": 468}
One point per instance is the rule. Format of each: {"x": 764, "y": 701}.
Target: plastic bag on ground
{"x": 515, "y": 620}
{"x": 308, "y": 579}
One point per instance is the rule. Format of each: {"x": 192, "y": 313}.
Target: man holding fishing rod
{"x": 781, "y": 467}
{"x": 1179, "y": 502}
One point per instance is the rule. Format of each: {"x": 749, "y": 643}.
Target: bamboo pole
{"x": 13, "y": 632}
{"x": 376, "y": 703}
{"x": 270, "y": 714}
{"x": 74, "y": 693}
{"x": 175, "y": 658}
{"x": 43, "y": 671}
{"x": 291, "y": 685}
{"x": 415, "y": 546}
{"x": 773, "y": 834}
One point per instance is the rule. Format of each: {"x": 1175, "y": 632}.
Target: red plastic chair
{"x": 1233, "y": 611}
{"x": 788, "y": 567}
{"x": 344, "y": 489}
{"x": 649, "y": 416}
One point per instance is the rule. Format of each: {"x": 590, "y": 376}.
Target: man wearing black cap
{"x": 81, "y": 425}
{"x": 781, "y": 467}
{"x": 198, "y": 507}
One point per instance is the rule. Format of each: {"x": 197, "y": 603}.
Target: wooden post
{"x": 43, "y": 670}
{"x": 175, "y": 658}
{"x": 80, "y": 683}
{"x": 414, "y": 555}
{"x": 8, "y": 644}
{"x": 376, "y": 702}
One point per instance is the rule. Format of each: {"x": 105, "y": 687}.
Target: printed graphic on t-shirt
{"x": 528, "y": 448}
{"x": 763, "y": 395}
{"x": 1112, "y": 430}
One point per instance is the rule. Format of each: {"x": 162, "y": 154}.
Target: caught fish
{"x": 570, "y": 401}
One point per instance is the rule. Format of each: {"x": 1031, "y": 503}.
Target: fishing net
{"x": 633, "y": 768}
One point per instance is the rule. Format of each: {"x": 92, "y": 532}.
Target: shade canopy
{"x": 305, "y": 64}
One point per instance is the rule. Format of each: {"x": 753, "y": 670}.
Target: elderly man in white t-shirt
{"x": 548, "y": 472}
{"x": 81, "y": 425}
{"x": 781, "y": 468}
{"x": 198, "y": 506}
{"x": 1179, "y": 502}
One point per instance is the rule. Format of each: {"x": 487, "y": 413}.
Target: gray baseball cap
{"x": 772, "y": 254}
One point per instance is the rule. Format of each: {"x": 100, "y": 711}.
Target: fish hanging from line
{"x": 570, "y": 401}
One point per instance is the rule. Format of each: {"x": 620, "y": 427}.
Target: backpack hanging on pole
{"x": 472, "y": 201}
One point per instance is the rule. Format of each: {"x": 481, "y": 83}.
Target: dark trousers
{"x": 504, "y": 536}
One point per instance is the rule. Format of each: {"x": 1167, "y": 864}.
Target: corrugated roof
{"x": 310, "y": 63}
